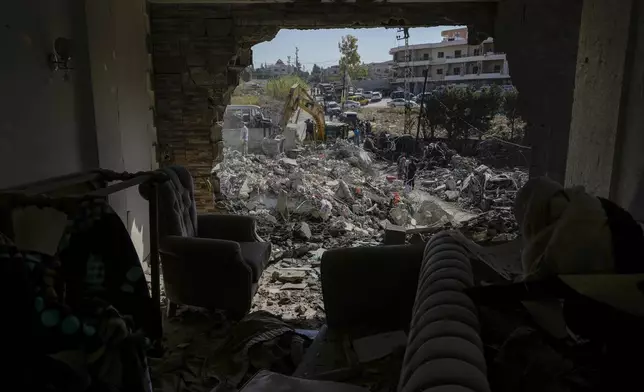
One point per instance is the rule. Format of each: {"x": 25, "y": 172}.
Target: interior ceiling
{"x": 478, "y": 16}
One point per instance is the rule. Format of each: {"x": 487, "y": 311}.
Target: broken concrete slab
{"x": 399, "y": 216}
{"x": 303, "y": 231}
{"x": 244, "y": 191}
{"x": 316, "y": 255}
{"x": 450, "y": 184}
{"x": 293, "y": 286}
{"x": 289, "y": 276}
{"x": 452, "y": 195}
{"x": 343, "y": 192}
{"x": 288, "y": 162}
{"x": 430, "y": 210}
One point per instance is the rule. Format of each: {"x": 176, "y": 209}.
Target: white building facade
{"x": 451, "y": 61}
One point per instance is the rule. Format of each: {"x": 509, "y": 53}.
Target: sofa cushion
{"x": 256, "y": 255}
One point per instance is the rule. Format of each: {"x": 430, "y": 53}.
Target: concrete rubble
{"x": 337, "y": 195}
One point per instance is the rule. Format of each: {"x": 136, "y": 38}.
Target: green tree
{"x": 510, "y": 100}
{"x": 316, "y": 74}
{"x": 350, "y": 59}
{"x": 434, "y": 112}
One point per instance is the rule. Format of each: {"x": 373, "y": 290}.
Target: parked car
{"x": 332, "y": 107}
{"x": 401, "y": 94}
{"x": 418, "y": 98}
{"x": 399, "y": 102}
{"x": 367, "y": 94}
{"x": 351, "y": 104}
{"x": 360, "y": 99}
{"x": 376, "y": 97}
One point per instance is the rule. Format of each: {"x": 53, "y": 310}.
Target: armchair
{"x": 208, "y": 260}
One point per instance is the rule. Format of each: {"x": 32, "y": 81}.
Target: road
{"x": 381, "y": 104}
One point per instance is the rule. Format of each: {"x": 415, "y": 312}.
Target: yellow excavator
{"x": 298, "y": 97}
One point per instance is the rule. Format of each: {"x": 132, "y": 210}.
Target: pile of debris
{"x": 480, "y": 189}
{"x": 321, "y": 198}
{"x": 335, "y": 195}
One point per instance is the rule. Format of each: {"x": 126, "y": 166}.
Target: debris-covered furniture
{"x": 372, "y": 286}
{"x": 210, "y": 261}
{"x": 421, "y": 290}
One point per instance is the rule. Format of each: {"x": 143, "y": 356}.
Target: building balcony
{"x": 450, "y": 60}
{"x": 413, "y": 63}
{"x": 411, "y": 80}
{"x": 491, "y": 75}
{"x": 484, "y": 57}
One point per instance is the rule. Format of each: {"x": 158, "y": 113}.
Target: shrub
{"x": 462, "y": 111}
{"x": 244, "y": 100}
{"x": 280, "y": 87}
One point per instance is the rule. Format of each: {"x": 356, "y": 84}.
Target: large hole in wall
{"x": 456, "y": 71}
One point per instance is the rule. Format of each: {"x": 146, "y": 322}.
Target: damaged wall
{"x": 607, "y": 134}
{"x": 540, "y": 38}
{"x": 199, "y": 51}
{"x": 197, "y": 60}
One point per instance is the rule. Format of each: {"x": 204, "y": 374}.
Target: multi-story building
{"x": 379, "y": 70}
{"x": 451, "y": 61}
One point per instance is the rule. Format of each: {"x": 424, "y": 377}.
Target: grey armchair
{"x": 211, "y": 261}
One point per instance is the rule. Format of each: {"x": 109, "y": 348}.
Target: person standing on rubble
{"x": 244, "y": 139}
{"x": 367, "y": 128}
{"x": 309, "y": 129}
{"x": 356, "y": 135}
{"x": 411, "y": 173}
{"x": 402, "y": 166}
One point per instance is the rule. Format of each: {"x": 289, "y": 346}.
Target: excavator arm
{"x": 298, "y": 97}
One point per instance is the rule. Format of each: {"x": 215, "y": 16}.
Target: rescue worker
{"x": 244, "y": 139}
{"x": 356, "y": 136}
{"x": 310, "y": 131}
{"x": 402, "y": 166}
{"x": 411, "y": 173}
{"x": 266, "y": 126}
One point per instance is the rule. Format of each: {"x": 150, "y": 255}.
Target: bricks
{"x": 219, "y": 27}
{"x": 165, "y": 64}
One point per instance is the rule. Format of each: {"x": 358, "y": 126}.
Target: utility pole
{"x": 420, "y": 113}
{"x": 344, "y": 86}
{"x": 407, "y": 75}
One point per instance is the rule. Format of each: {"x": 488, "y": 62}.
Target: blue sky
{"x": 321, "y": 46}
